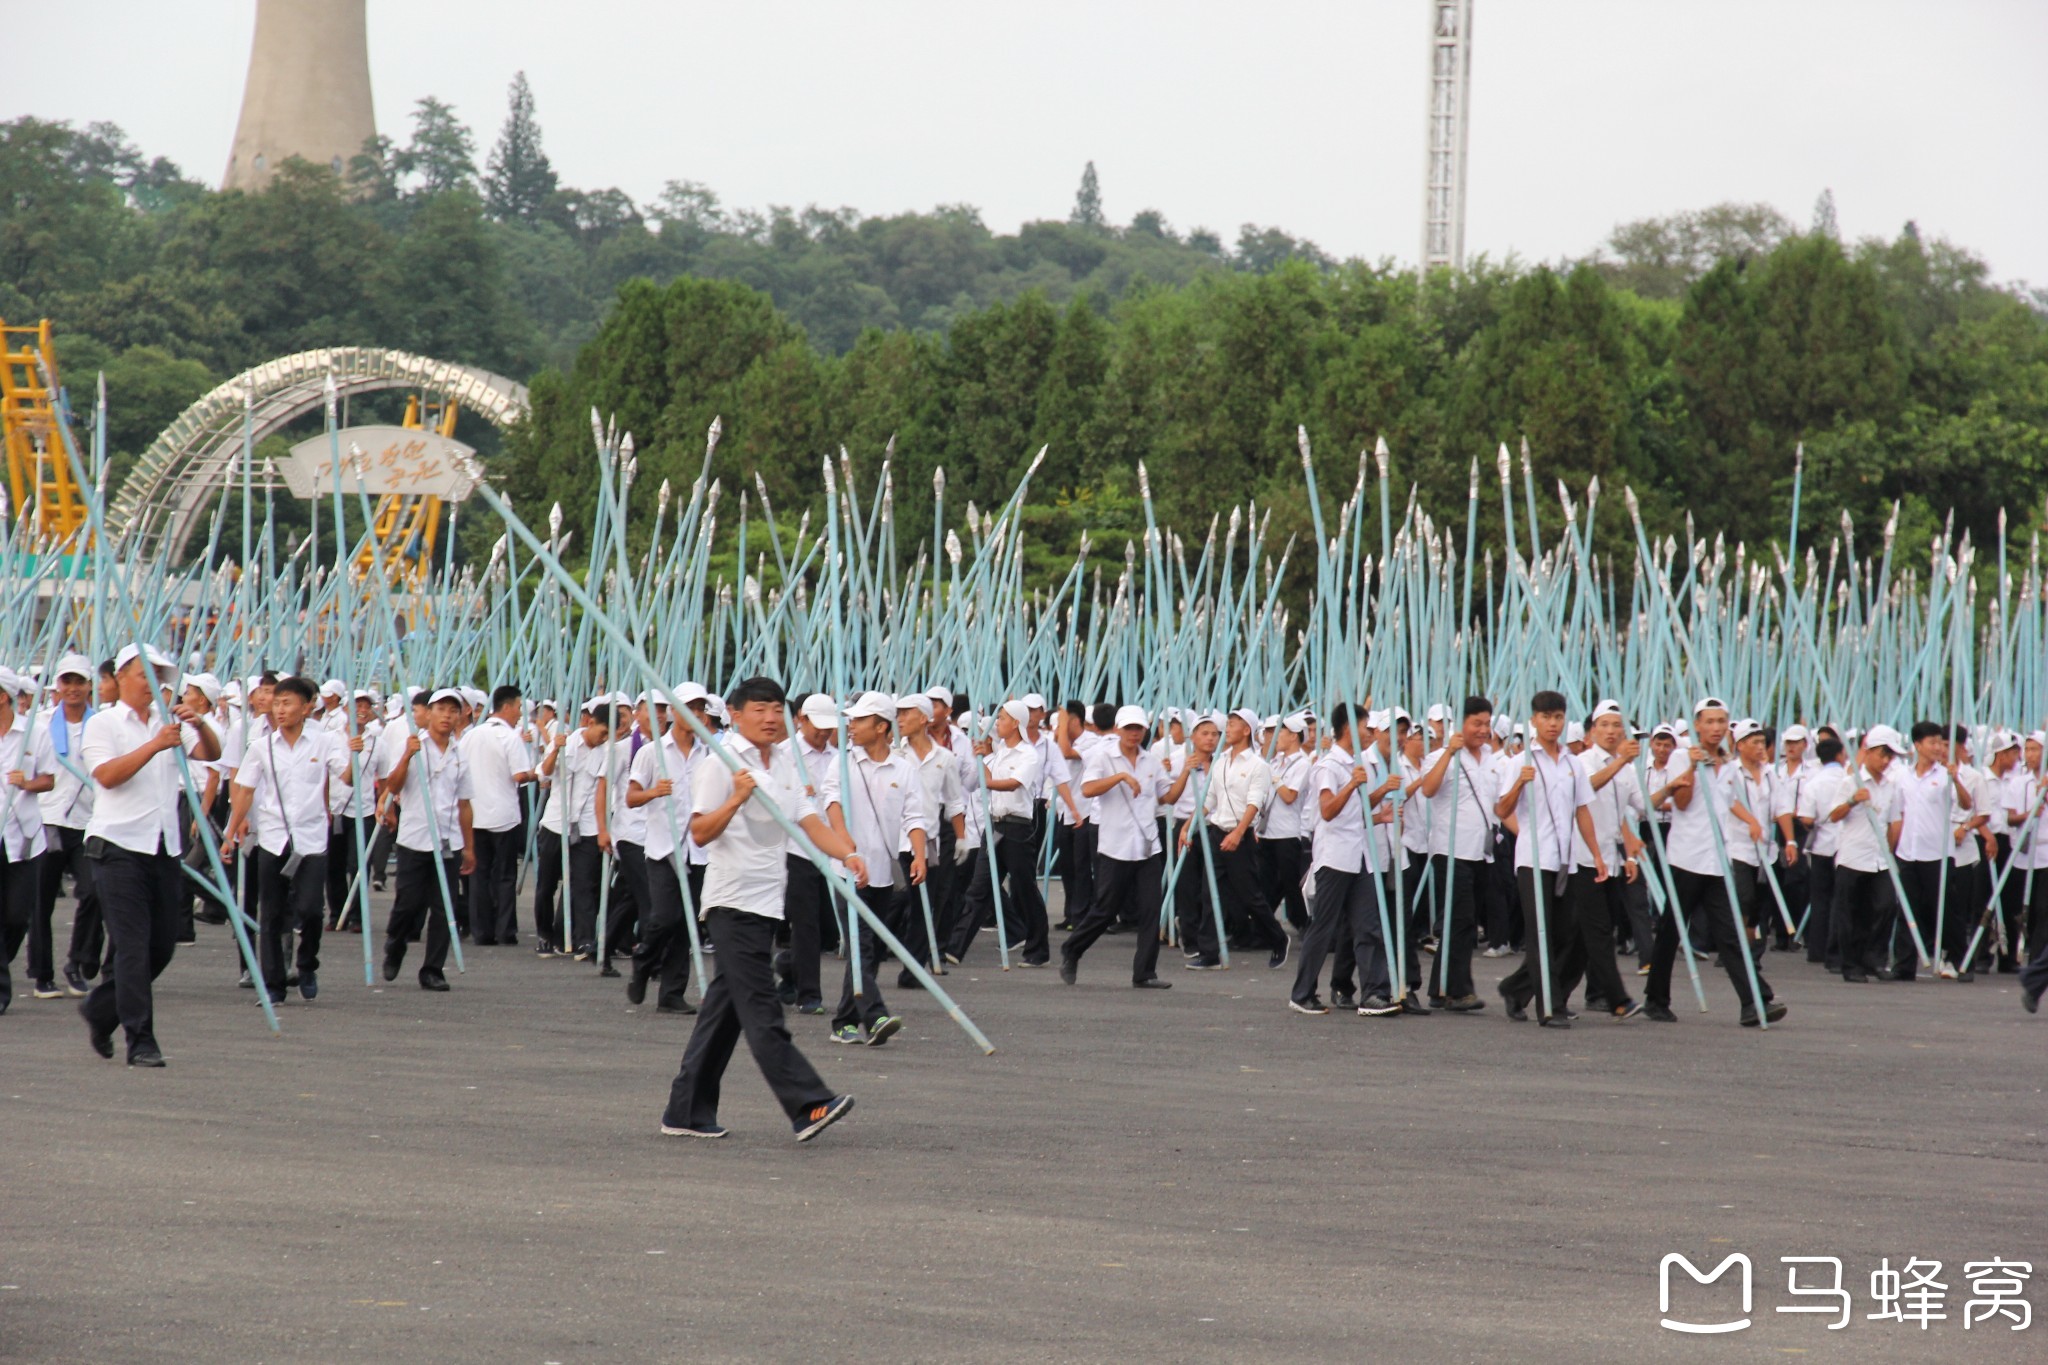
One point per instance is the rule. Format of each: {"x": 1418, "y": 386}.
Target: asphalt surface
{"x": 1188, "y": 1175}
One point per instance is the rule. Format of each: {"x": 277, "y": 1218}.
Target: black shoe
{"x": 811, "y": 1007}
{"x": 1661, "y": 1013}
{"x": 1063, "y": 927}
{"x": 1515, "y": 1008}
{"x": 906, "y": 982}
{"x": 608, "y": 970}
{"x": 1628, "y": 1011}
{"x": 485, "y": 943}
{"x": 1378, "y": 1007}
{"x": 1313, "y": 1005}
{"x": 248, "y": 982}
{"x": 2030, "y": 1001}
{"x": 687, "y": 1008}
{"x": 1773, "y": 1012}
{"x": 1204, "y": 964}
{"x": 103, "y": 1043}
{"x": 74, "y": 984}
{"x": 819, "y": 1117}
{"x": 1554, "y": 1021}
{"x": 1967, "y": 974}
{"x": 309, "y": 985}
{"x": 433, "y": 981}
{"x": 1069, "y": 970}
{"x": 47, "y": 990}
{"x": 1034, "y": 962}
{"x": 684, "y": 1130}
{"x": 275, "y": 1000}
{"x": 1344, "y": 1000}
{"x": 636, "y": 988}
{"x": 394, "y": 954}
{"x": 213, "y": 915}
{"x": 147, "y": 1056}
{"x": 1856, "y": 977}
{"x": 1412, "y": 1004}
{"x": 1465, "y": 1004}
{"x": 1279, "y": 958}
{"x": 1152, "y": 983}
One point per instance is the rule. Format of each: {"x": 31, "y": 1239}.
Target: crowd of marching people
{"x": 1375, "y": 852}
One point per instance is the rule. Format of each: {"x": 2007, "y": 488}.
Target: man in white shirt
{"x": 27, "y": 765}
{"x": 1810, "y": 844}
{"x": 1865, "y": 806}
{"x": 742, "y": 901}
{"x": 1343, "y": 909}
{"x": 134, "y": 837}
{"x": 499, "y": 766}
{"x": 436, "y": 840}
{"x": 1073, "y": 824}
{"x": 1549, "y": 800}
{"x": 885, "y": 809}
{"x": 283, "y": 779}
{"x": 1931, "y": 791}
{"x": 65, "y": 808}
{"x": 355, "y": 816}
{"x": 1457, "y": 789}
{"x": 2008, "y": 782}
{"x": 945, "y": 813}
{"x": 1126, "y": 784}
{"x": 658, "y": 788}
{"x": 2030, "y": 866}
{"x": 1012, "y": 773}
{"x": 1283, "y": 837}
{"x": 1240, "y": 786}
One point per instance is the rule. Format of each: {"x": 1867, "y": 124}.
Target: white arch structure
{"x": 170, "y": 492}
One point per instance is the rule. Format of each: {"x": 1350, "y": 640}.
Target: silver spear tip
{"x": 626, "y": 445}
{"x": 953, "y": 547}
{"x": 1504, "y": 461}
{"x": 1798, "y": 456}
{"x": 663, "y": 494}
{"x": 1381, "y": 455}
{"x": 1144, "y": 482}
{"x": 1628, "y": 498}
{"x": 889, "y": 447}
{"x": 1037, "y": 460}
{"x": 1593, "y": 491}
{"x": 1301, "y": 444}
{"x": 1474, "y": 493}
{"x": 1525, "y": 454}
{"x": 939, "y": 481}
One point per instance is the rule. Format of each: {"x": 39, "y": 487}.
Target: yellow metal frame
{"x": 43, "y": 494}
{"x": 401, "y": 520}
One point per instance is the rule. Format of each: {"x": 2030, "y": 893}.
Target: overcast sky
{"x": 1306, "y": 116}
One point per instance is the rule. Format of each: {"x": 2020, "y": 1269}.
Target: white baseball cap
{"x": 940, "y": 694}
{"x": 1034, "y": 701}
{"x": 1666, "y": 729}
{"x": 1018, "y": 710}
{"x": 1709, "y": 704}
{"x": 363, "y": 694}
{"x": 1885, "y": 737}
{"x": 1298, "y": 722}
{"x": 920, "y": 703}
{"x": 879, "y": 705}
{"x": 1439, "y": 711}
{"x": 75, "y": 666}
{"x": 1794, "y": 733}
{"x": 2001, "y": 740}
{"x": 12, "y": 682}
{"x": 1743, "y": 729}
{"x": 334, "y": 687}
{"x": 1574, "y": 733}
{"x": 1379, "y": 720}
{"x": 688, "y": 692}
{"x": 1200, "y": 719}
{"x": 1248, "y": 716}
{"x": 208, "y": 685}
{"x": 1607, "y": 706}
{"x": 157, "y": 658}
{"x": 1131, "y": 715}
{"x": 453, "y": 694}
{"x": 820, "y": 710}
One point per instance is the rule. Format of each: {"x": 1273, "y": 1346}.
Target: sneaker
{"x": 1069, "y": 970}
{"x": 1204, "y": 964}
{"x": 1494, "y": 950}
{"x": 1516, "y": 1010}
{"x": 711, "y": 1131}
{"x": 2030, "y": 1001}
{"x": 1063, "y": 927}
{"x": 951, "y": 959}
{"x": 1412, "y": 1004}
{"x": 846, "y": 1033}
{"x": 248, "y": 982}
{"x": 1313, "y": 1005}
{"x": 636, "y": 988}
{"x": 810, "y": 1007}
{"x": 309, "y": 985}
{"x": 1643, "y": 969}
{"x": 883, "y": 1029}
{"x": 1628, "y": 1011}
{"x": 1346, "y": 1000}
{"x": 1660, "y": 1013}
{"x": 1554, "y": 1021}
{"x": 1428, "y": 945}
{"x": 1279, "y": 958}
{"x": 584, "y": 954}
{"x": 1464, "y": 1004}
{"x": 819, "y": 1117}
{"x": 74, "y": 984}
{"x": 47, "y": 990}
{"x": 1378, "y": 1007}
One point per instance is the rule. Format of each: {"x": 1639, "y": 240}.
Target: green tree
{"x": 1087, "y": 212}
{"x": 518, "y": 178}
{"x": 442, "y": 153}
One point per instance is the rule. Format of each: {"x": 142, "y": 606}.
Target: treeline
{"x": 1687, "y": 357}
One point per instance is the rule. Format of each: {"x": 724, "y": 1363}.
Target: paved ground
{"x": 1193, "y": 1175}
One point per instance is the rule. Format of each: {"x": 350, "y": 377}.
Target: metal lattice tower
{"x": 1450, "y": 99}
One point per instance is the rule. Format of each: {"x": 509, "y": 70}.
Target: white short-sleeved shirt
{"x": 1827, "y": 835}
{"x": 1689, "y": 843}
{"x": 1466, "y": 797}
{"x": 1126, "y": 822}
{"x": 1758, "y": 795}
{"x": 1283, "y": 819}
{"x": 448, "y": 774}
{"x": 288, "y": 788}
{"x": 1928, "y": 798}
{"x": 2030, "y": 846}
{"x": 1862, "y": 832}
{"x": 142, "y": 813}
{"x": 69, "y": 803}
{"x": 1017, "y": 762}
{"x": 885, "y": 802}
{"x": 1339, "y": 840}
{"x": 1616, "y": 806}
{"x": 360, "y": 799}
{"x": 667, "y": 818}
{"x": 25, "y": 748}
{"x": 745, "y": 868}
{"x": 940, "y": 776}
{"x": 496, "y": 756}
{"x": 1561, "y": 788}
{"x": 1237, "y": 782}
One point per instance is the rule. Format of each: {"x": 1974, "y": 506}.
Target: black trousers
{"x": 2011, "y": 904}
{"x": 341, "y": 866}
{"x": 664, "y": 948}
{"x": 419, "y": 906}
{"x": 65, "y": 853}
{"x": 741, "y": 1001}
{"x": 1281, "y": 865}
{"x": 380, "y": 853}
{"x": 1560, "y": 938}
{"x": 494, "y": 886}
{"x": 1506, "y": 922}
{"x": 547, "y": 884}
{"x": 20, "y": 896}
{"x": 909, "y": 925}
{"x": 629, "y": 896}
{"x": 1244, "y": 901}
{"x": 1708, "y": 895}
{"x": 1197, "y": 923}
{"x": 867, "y": 1007}
{"x": 1016, "y": 864}
{"x": 807, "y": 904}
{"x": 1457, "y": 887}
{"x": 1074, "y": 854}
{"x": 139, "y": 897}
{"x": 1922, "y": 881}
{"x": 1369, "y": 955}
{"x": 1125, "y": 892}
{"x": 1595, "y": 907}
{"x": 286, "y": 905}
{"x": 585, "y": 885}
{"x": 1862, "y": 902}
{"x": 1820, "y": 917}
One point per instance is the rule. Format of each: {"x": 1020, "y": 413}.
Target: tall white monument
{"x": 1450, "y": 99}
{"x": 308, "y": 93}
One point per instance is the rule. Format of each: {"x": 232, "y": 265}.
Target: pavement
{"x": 1186, "y": 1175}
